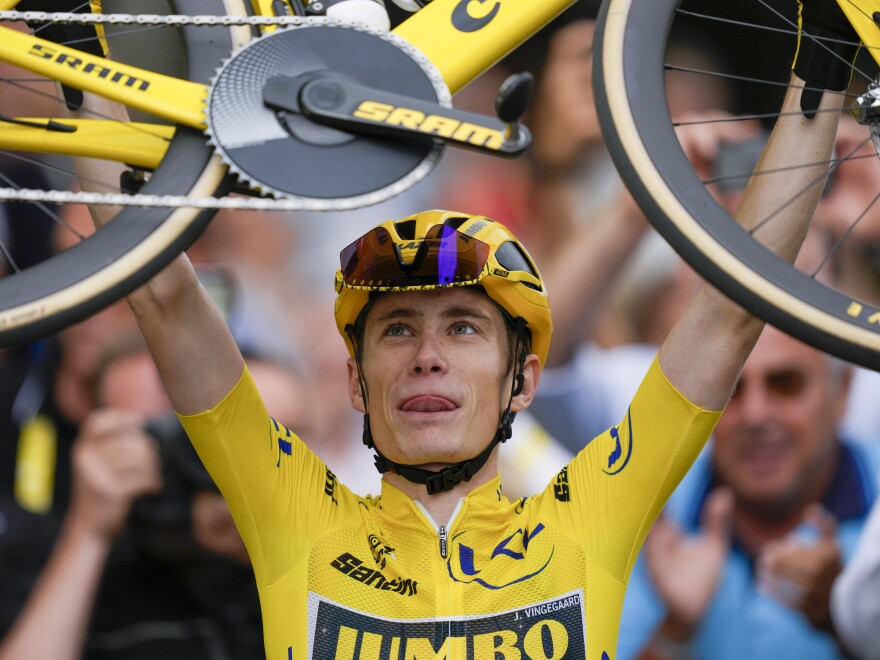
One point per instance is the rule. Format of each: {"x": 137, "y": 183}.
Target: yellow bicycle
{"x": 290, "y": 117}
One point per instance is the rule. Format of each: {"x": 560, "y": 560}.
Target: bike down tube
{"x": 463, "y": 38}
{"x": 162, "y": 96}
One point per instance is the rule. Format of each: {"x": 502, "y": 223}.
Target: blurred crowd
{"x": 111, "y": 531}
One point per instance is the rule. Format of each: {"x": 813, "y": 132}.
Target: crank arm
{"x": 340, "y": 103}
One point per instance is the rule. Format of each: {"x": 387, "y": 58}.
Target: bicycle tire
{"x": 631, "y": 42}
{"x": 138, "y": 242}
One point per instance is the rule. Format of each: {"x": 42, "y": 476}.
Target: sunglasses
{"x": 444, "y": 257}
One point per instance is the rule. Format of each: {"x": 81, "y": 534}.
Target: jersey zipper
{"x": 442, "y": 530}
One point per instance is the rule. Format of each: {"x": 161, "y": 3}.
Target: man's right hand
{"x": 114, "y": 462}
{"x": 686, "y": 569}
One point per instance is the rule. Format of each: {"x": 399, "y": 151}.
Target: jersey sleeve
{"x": 612, "y": 491}
{"x": 280, "y": 494}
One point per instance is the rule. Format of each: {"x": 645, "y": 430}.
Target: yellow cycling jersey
{"x": 368, "y": 578}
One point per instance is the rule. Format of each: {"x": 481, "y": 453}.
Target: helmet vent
{"x": 406, "y": 229}
{"x": 455, "y": 223}
{"x": 511, "y": 257}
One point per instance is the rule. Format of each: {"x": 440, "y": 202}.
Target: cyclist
{"x": 448, "y": 325}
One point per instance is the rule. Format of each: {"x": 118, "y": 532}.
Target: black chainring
{"x": 287, "y": 155}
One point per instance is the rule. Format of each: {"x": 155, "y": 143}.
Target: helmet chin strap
{"x": 440, "y": 481}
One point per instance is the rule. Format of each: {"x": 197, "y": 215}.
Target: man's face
{"x": 436, "y": 374}
{"x": 133, "y": 383}
{"x": 82, "y": 343}
{"x": 776, "y": 438}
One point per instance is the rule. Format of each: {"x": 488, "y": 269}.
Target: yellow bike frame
{"x": 860, "y": 13}
{"x": 462, "y": 38}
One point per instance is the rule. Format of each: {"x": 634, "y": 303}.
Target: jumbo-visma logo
{"x": 618, "y": 458}
{"x": 473, "y": 15}
{"x": 519, "y": 557}
{"x": 545, "y": 630}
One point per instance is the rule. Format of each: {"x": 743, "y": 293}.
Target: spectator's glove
{"x": 87, "y": 38}
{"x": 827, "y": 46}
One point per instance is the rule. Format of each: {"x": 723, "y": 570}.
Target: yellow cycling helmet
{"x": 436, "y": 249}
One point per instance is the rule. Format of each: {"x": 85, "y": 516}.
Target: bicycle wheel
{"x": 638, "y": 57}
{"x": 37, "y": 299}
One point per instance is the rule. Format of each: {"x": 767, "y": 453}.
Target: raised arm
{"x": 197, "y": 358}
{"x": 188, "y": 338}
{"x": 705, "y": 351}
{"x": 707, "y": 348}
{"x": 186, "y": 333}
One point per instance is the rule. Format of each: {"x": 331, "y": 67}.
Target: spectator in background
{"x": 850, "y": 208}
{"x": 188, "y": 517}
{"x": 115, "y": 543}
{"x": 42, "y": 408}
{"x": 743, "y": 560}
{"x": 76, "y": 481}
{"x": 47, "y": 398}
{"x": 114, "y": 462}
{"x": 594, "y": 370}
{"x": 44, "y": 396}
{"x": 849, "y": 211}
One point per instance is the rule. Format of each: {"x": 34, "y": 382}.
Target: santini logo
{"x": 355, "y": 568}
{"x": 465, "y": 21}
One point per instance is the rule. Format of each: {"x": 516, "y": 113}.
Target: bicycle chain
{"x": 149, "y": 19}
{"x": 172, "y": 201}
